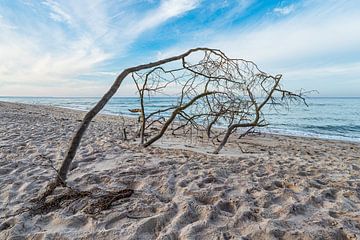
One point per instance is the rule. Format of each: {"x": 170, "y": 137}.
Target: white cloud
{"x": 167, "y": 10}
{"x": 57, "y": 13}
{"x": 102, "y": 73}
{"x": 240, "y": 7}
{"x": 286, "y": 10}
{"x": 295, "y": 40}
{"x": 320, "y": 43}
{"x": 54, "y": 60}
{"x": 347, "y": 70}
{"x": 312, "y": 50}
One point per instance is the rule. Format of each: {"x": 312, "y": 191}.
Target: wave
{"x": 336, "y": 128}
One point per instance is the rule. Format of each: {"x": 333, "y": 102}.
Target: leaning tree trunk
{"x": 75, "y": 142}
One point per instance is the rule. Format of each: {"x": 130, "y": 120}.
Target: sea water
{"x": 330, "y": 118}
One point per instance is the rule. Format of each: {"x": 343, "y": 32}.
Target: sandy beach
{"x": 259, "y": 187}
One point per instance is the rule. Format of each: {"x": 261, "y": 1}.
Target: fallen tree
{"x": 211, "y": 90}
{"x": 214, "y": 90}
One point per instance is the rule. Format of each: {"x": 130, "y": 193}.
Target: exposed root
{"x": 44, "y": 206}
{"x": 105, "y": 201}
{"x": 137, "y": 217}
{"x": 57, "y": 202}
{"x": 17, "y": 213}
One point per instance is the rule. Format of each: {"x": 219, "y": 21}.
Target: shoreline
{"x": 306, "y": 135}
{"x": 259, "y": 187}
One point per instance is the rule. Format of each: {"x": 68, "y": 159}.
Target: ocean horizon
{"x": 335, "y": 118}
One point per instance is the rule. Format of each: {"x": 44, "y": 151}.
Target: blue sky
{"x": 77, "y": 47}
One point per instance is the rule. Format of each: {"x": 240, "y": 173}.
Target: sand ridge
{"x": 275, "y": 187}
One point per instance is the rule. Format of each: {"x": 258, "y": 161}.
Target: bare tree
{"x": 75, "y": 142}
{"x": 214, "y": 90}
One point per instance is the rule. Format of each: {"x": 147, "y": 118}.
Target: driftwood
{"x": 214, "y": 90}
{"x": 75, "y": 142}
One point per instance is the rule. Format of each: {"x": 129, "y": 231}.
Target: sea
{"x": 335, "y": 118}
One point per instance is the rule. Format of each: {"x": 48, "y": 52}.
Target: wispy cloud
{"x": 72, "y": 41}
{"x": 318, "y": 42}
{"x": 167, "y": 10}
{"x": 286, "y": 10}
{"x": 54, "y": 47}
{"x": 57, "y": 13}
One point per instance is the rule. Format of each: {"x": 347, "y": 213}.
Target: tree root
{"x": 44, "y": 207}
{"x": 17, "y": 213}
{"x": 105, "y": 201}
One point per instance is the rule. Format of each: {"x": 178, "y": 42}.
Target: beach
{"x": 259, "y": 187}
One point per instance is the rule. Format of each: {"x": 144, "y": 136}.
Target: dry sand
{"x": 280, "y": 188}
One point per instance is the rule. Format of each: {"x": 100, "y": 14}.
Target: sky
{"x": 78, "y": 47}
